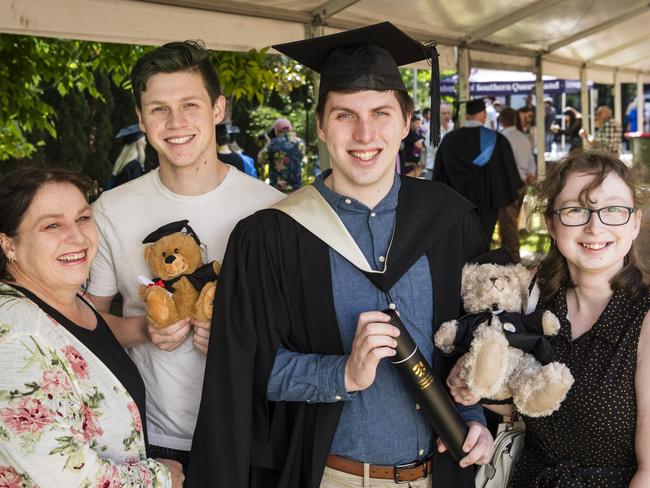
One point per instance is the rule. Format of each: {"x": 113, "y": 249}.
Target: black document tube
{"x": 432, "y": 397}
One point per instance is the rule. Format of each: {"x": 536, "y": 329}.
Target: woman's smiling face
{"x": 594, "y": 247}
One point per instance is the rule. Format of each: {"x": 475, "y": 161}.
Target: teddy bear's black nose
{"x": 170, "y": 259}
{"x": 493, "y": 280}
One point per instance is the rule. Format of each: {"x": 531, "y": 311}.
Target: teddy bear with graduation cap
{"x": 510, "y": 354}
{"x": 183, "y": 286}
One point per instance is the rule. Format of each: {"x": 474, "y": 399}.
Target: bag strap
{"x": 533, "y": 296}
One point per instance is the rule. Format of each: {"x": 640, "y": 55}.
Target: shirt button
{"x": 421, "y": 452}
{"x": 337, "y": 398}
{"x": 348, "y": 201}
{"x": 382, "y": 259}
{"x": 392, "y": 306}
{"x": 373, "y": 214}
{"x": 417, "y": 406}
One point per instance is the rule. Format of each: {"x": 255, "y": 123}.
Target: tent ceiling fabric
{"x": 607, "y": 36}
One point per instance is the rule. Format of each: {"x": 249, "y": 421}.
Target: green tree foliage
{"x": 423, "y": 79}
{"x": 72, "y": 96}
{"x": 32, "y": 65}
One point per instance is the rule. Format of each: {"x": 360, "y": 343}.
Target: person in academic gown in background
{"x": 130, "y": 163}
{"x": 479, "y": 164}
{"x": 224, "y": 153}
{"x": 298, "y": 392}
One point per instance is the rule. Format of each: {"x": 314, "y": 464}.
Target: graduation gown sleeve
{"x": 275, "y": 290}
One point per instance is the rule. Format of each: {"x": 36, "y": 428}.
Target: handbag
{"x": 508, "y": 446}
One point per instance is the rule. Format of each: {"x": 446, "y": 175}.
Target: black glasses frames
{"x": 611, "y": 215}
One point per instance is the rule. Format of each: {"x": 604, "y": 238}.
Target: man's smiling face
{"x": 362, "y": 131}
{"x": 179, "y": 118}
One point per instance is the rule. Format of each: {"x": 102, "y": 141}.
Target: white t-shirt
{"x": 125, "y": 216}
{"x": 491, "y": 118}
{"x": 522, "y": 150}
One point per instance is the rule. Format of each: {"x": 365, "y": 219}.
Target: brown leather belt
{"x": 402, "y": 473}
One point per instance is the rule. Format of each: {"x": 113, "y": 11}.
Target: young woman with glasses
{"x": 593, "y": 281}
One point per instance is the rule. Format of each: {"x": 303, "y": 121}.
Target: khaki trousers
{"x": 338, "y": 479}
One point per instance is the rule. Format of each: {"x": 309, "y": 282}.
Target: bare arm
{"x": 642, "y": 439}
{"x": 129, "y": 331}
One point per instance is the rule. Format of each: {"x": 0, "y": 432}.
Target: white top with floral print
{"x": 65, "y": 419}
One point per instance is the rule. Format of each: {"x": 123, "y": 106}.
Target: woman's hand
{"x": 458, "y": 387}
{"x": 176, "y": 470}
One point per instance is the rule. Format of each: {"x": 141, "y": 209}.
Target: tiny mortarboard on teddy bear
{"x": 171, "y": 228}
{"x": 366, "y": 59}
{"x": 496, "y": 256}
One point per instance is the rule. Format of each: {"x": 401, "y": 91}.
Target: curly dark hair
{"x": 553, "y": 271}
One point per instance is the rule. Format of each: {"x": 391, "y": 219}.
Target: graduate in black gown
{"x": 479, "y": 164}
{"x": 276, "y": 289}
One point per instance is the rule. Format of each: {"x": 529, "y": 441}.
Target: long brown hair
{"x": 553, "y": 271}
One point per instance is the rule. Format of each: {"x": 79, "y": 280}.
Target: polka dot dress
{"x": 589, "y": 441}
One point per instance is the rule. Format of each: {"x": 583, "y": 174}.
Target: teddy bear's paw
{"x": 444, "y": 337}
{"x": 486, "y": 368}
{"x": 161, "y": 309}
{"x": 550, "y": 323}
{"x": 545, "y": 391}
{"x": 203, "y": 306}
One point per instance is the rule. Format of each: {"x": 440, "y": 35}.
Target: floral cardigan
{"x": 65, "y": 419}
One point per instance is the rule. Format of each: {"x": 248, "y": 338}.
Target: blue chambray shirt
{"x": 382, "y": 424}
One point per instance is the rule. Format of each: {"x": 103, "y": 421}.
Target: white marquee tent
{"x": 595, "y": 40}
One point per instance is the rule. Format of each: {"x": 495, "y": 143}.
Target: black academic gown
{"x": 490, "y": 187}
{"x": 275, "y": 290}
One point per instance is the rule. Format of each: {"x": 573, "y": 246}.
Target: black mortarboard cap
{"x": 367, "y": 59}
{"x": 130, "y": 133}
{"x": 167, "y": 229}
{"x": 475, "y": 106}
{"x": 497, "y": 256}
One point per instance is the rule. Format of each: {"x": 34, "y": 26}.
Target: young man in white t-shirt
{"x": 178, "y": 103}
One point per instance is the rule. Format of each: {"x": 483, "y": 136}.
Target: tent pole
{"x": 618, "y": 103}
{"x": 563, "y": 123}
{"x": 463, "y": 66}
{"x": 539, "y": 119}
{"x": 593, "y": 106}
{"x": 584, "y": 100}
{"x": 323, "y": 154}
{"x": 639, "y": 103}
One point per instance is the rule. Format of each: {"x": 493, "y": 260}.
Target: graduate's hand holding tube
{"x": 374, "y": 340}
{"x": 478, "y": 445}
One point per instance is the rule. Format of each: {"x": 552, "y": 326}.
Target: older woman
{"x": 591, "y": 280}
{"x": 71, "y": 401}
